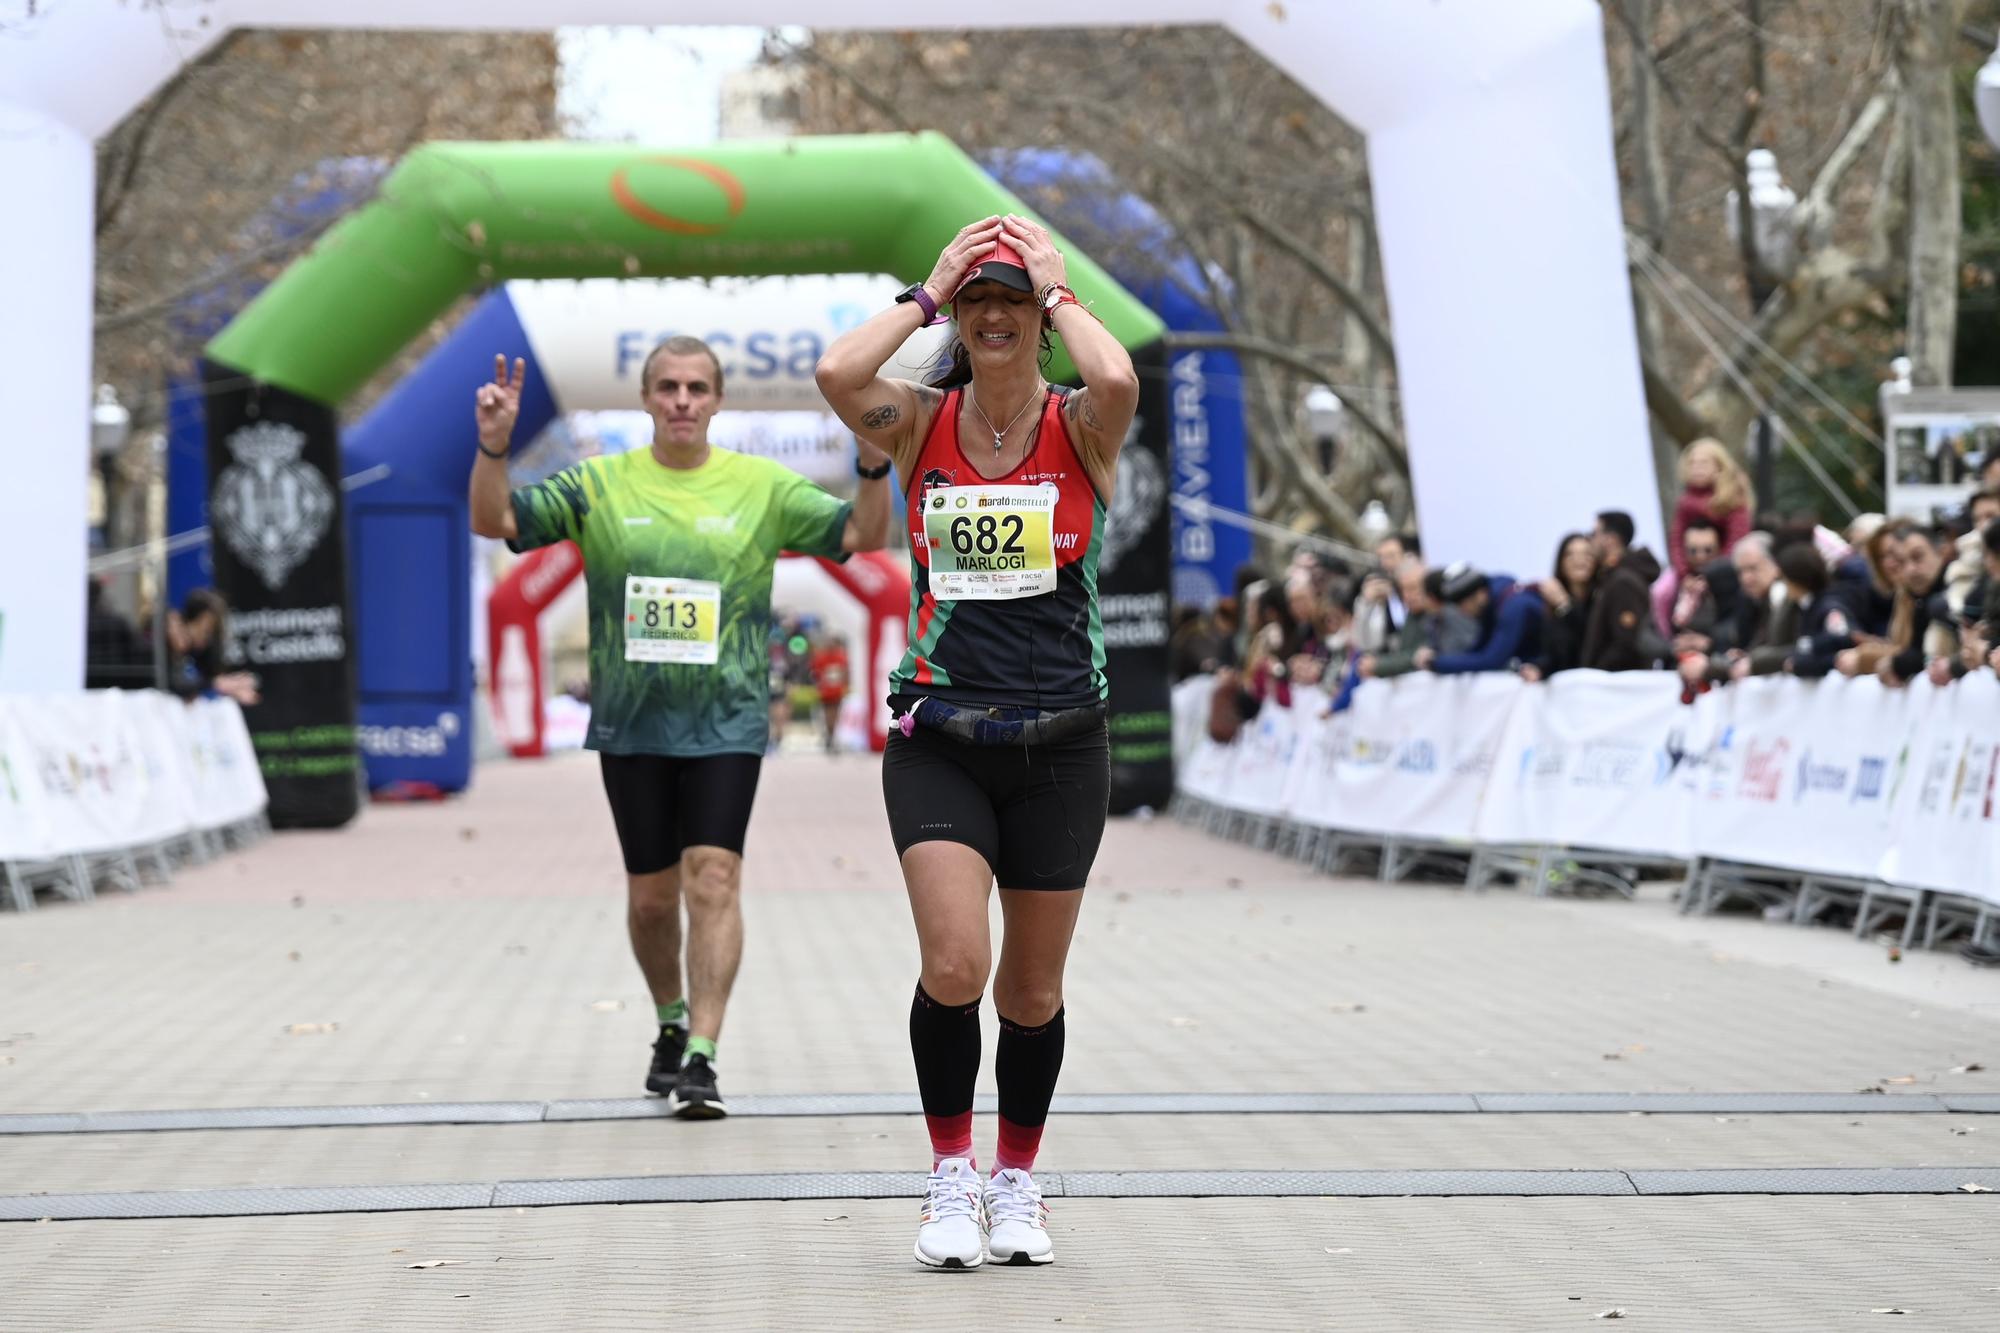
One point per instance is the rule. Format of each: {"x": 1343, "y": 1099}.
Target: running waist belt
{"x": 1001, "y": 726}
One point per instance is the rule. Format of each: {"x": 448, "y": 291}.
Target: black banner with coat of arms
{"x": 278, "y": 538}
{"x": 1134, "y": 573}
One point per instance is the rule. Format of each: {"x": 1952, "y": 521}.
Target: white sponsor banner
{"x": 25, "y": 832}
{"x": 167, "y": 808}
{"x": 1947, "y": 791}
{"x": 1265, "y": 748}
{"x": 237, "y": 789}
{"x": 1210, "y": 767}
{"x": 591, "y": 337}
{"x": 1190, "y": 711}
{"x": 1594, "y": 759}
{"x": 106, "y": 770}
{"x": 1801, "y": 776}
{"x": 88, "y": 766}
{"x": 1836, "y": 777}
{"x": 1415, "y": 754}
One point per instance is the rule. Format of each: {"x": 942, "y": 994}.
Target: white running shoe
{"x": 953, "y": 1229}
{"x": 1017, "y": 1220}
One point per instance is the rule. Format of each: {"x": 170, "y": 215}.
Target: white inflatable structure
{"x": 1495, "y": 189}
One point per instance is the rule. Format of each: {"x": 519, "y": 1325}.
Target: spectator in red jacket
{"x": 1713, "y": 486}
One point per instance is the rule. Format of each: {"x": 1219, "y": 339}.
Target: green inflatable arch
{"x": 455, "y": 217}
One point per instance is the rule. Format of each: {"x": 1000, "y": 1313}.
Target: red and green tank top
{"x": 1003, "y": 596}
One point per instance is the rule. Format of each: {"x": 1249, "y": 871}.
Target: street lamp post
{"x": 110, "y": 428}
{"x": 1773, "y": 257}
{"x": 1986, "y": 98}
{"x": 1324, "y": 415}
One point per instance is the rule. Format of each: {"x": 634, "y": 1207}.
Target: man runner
{"x": 678, "y": 542}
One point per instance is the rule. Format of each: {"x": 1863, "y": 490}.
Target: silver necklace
{"x": 999, "y": 436}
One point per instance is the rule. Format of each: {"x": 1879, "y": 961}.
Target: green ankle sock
{"x": 673, "y": 1015}
{"x": 700, "y": 1046}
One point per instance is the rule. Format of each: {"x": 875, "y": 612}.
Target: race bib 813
{"x": 672, "y": 620}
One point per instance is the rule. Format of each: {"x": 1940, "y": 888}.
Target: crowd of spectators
{"x": 186, "y": 662}
{"x": 1740, "y": 594}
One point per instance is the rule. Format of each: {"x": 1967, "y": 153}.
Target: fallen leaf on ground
{"x": 311, "y": 1029}
{"x": 837, "y": 1217}
{"x": 1963, "y": 1129}
{"x": 437, "y": 1263}
{"x": 1974, "y": 1188}
{"x": 1615, "y": 1312}
{"x": 1974, "y": 1068}
{"x": 1345, "y": 1249}
{"x": 1727, "y": 1119}
{"x": 1900, "y": 1080}
{"x": 1889, "y": 1309}
{"x": 606, "y": 1006}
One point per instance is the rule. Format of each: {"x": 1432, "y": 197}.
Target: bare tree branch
{"x": 807, "y": 53}
{"x": 1815, "y": 214}
{"x": 114, "y": 188}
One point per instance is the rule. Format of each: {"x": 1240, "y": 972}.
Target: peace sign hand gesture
{"x": 497, "y": 404}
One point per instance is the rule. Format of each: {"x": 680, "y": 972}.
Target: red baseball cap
{"x": 1004, "y": 266}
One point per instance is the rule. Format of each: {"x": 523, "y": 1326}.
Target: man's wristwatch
{"x": 917, "y": 292}
{"x": 875, "y": 473}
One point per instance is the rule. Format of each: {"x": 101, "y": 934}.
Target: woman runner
{"x": 998, "y": 767}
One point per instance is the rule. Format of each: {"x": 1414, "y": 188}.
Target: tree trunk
{"x": 1927, "y": 31}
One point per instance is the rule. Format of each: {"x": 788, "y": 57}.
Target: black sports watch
{"x": 917, "y": 292}
{"x": 875, "y": 473}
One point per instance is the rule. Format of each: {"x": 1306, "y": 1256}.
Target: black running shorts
{"x": 1035, "y": 812}
{"x": 664, "y": 803}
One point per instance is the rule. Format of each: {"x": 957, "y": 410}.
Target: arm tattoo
{"x": 881, "y": 418}
{"x": 1086, "y": 414}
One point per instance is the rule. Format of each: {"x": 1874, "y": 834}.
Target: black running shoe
{"x": 667, "y": 1052}
{"x": 694, "y": 1096}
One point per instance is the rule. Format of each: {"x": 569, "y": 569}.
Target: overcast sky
{"x": 649, "y": 85}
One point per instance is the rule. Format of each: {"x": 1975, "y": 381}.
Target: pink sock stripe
{"x": 1017, "y": 1147}
{"x": 951, "y": 1136}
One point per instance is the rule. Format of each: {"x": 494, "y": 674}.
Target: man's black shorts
{"x": 1035, "y": 812}
{"x": 664, "y": 803}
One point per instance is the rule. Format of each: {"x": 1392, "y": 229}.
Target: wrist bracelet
{"x": 502, "y": 455}
{"x": 875, "y": 473}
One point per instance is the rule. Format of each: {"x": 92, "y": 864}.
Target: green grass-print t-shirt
{"x": 722, "y": 523}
